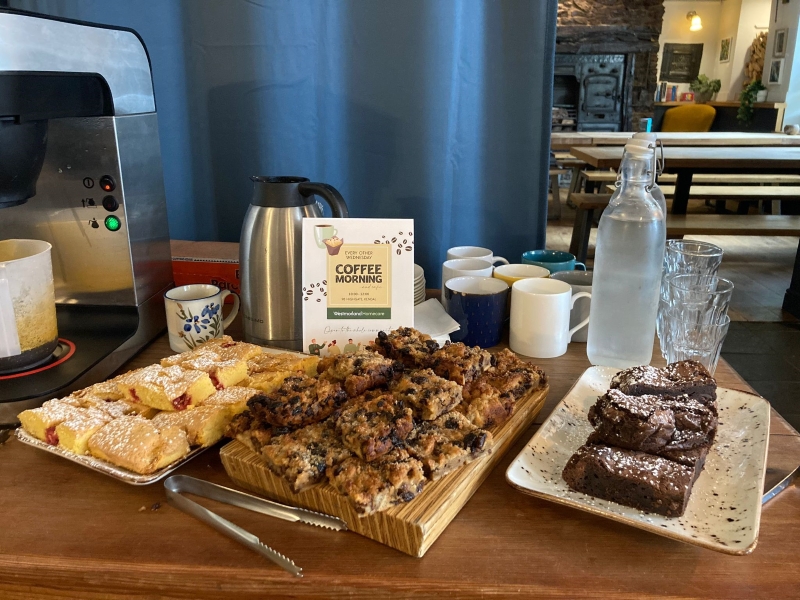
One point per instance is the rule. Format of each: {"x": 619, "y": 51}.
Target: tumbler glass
{"x": 690, "y": 338}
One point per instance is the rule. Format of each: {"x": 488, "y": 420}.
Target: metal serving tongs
{"x": 183, "y": 484}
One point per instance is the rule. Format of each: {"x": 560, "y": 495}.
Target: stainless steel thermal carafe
{"x": 270, "y": 257}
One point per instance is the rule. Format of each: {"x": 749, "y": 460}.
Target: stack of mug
{"x": 545, "y": 297}
{"x": 693, "y": 317}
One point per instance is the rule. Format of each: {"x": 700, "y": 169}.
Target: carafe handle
{"x": 330, "y": 194}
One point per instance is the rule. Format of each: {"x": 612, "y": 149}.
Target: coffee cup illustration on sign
{"x": 322, "y": 233}
{"x": 333, "y": 244}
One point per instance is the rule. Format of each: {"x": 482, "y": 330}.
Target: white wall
{"x": 675, "y": 30}
{"x": 788, "y": 16}
{"x": 721, "y": 19}
{"x": 754, "y": 16}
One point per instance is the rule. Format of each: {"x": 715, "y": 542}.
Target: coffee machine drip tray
{"x": 87, "y": 334}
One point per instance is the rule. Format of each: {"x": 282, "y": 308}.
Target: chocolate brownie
{"x": 407, "y": 345}
{"x": 393, "y": 479}
{"x": 427, "y": 394}
{"x": 651, "y": 423}
{"x": 299, "y": 401}
{"x": 695, "y": 458}
{"x": 302, "y": 456}
{"x": 686, "y": 377}
{"x": 461, "y": 363}
{"x": 636, "y": 479}
{"x": 447, "y": 443}
{"x": 372, "y": 426}
{"x": 359, "y": 371}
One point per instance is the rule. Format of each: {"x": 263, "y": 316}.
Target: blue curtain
{"x": 437, "y": 110}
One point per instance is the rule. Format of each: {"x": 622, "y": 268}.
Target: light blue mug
{"x": 552, "y": 260}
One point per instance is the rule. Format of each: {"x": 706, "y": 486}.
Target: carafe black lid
{"x": 279, "y": 192}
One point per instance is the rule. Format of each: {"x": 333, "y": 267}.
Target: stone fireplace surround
{"x": 628, "y": 27}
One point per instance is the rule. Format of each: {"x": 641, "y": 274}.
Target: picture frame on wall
{"x": 775, "y": 71}
{"x": 725, "y": 49}
{"x": 779, "y": 47}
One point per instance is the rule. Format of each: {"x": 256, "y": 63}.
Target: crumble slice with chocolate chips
{"x": 299, "y": 401}
{"x": 460, "y": 363}
{"x": 253, "y": 432}
{"x": 428, "y": 395}
{"x": 301, "y": 457}
{"x": 394, "y": 478}
{"x": 372, "y": 426}
{"x": 448, "y": 443}
{"x": 360, "y": 371}
{"x": 407, "y": 345}
{"x": 522, "y": 377}
{"x": 485, "y": 405}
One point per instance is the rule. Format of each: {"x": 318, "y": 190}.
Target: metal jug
{"x": 270, "y": 257}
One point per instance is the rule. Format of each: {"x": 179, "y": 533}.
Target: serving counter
{"x": 74, "y": 533}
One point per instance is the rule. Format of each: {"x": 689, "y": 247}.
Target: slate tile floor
{"x": 767, "y": 356}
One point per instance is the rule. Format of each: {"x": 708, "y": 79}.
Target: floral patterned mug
{"x": 194, "y": 314}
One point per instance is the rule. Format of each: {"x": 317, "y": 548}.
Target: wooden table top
{"x": 75, "y": 533}
{"x": 681, "y": 157}
{"x": 562, "y": 140}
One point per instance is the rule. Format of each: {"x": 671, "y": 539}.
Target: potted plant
{"x": 704, "y": 88}
{"x": 746, "y": 100}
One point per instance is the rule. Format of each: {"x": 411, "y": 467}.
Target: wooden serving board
{"x": 411, "y": 528}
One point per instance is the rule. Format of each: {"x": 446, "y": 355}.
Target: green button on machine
{"x": 113, "y": 223}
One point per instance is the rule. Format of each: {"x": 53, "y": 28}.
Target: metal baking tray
{"x": 106, "y": 468}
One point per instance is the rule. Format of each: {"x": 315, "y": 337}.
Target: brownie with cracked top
{"x": 449, "y": 442}
{"x": 360, "y": 371}
{"x": 685, "y": 377}
{"x": 636, "y": 479}
{"x": 394, "y": 478}
{"x": 372, "y": 426}
{"x": 426, "y": 393}
{"x": 695, "y": 458}
{"x": 461, "y": 363}
{"x": 299, "y": 401}
{"x": 651, "y": 423}
{"x": 302, "y": 456}
{"x": 407, "y": 345}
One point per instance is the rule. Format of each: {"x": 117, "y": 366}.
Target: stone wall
{"x": 629, "y": 27}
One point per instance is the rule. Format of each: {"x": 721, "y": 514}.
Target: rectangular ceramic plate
{"x": 724, "y": 510}
{"x": 101, "y": 466}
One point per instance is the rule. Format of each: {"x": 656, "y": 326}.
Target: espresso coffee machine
{"x": 80, "y": 168}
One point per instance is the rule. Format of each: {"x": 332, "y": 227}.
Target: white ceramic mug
{"x": 194, "y": 314}
{"x": 579, "y": 281}
{"x": 540, "y": 310}
{"x": 464, "y": 267}
{"x": 475, "y": 252}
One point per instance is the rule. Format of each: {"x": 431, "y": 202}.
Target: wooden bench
{"x": 744, "y": 194}
{"x": 593, "y": 180}
{"x": 677, "y": 225}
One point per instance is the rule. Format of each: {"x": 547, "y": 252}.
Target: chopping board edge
{"x": 411, "y": 528}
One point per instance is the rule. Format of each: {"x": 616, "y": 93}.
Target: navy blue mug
{"x": 479, "y": 306}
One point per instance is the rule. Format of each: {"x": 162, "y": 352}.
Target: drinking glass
{"x": 689, "y": 337}
{"x": 684, "y": 257}
{"x": 697, "y": 298}
{"x": 690, "y": 256}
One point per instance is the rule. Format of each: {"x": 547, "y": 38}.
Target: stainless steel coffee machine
{"x": 80, "y": 168}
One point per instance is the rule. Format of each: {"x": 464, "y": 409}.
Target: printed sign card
{"x": 358, "y": 279}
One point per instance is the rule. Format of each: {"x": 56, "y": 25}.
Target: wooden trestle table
{"x": 69, "y": 532}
